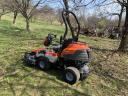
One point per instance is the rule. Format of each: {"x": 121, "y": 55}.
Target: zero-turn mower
{"x": 71, "y": 55}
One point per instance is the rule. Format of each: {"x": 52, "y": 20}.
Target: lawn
{"x": 109, "y": 69}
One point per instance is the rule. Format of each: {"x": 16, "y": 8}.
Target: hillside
{"x": 109, "y": 69}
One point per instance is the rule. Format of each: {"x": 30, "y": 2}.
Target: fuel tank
{"x": 76, "y": 51}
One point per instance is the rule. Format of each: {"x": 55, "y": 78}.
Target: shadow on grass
{"x": 44, "y": 88}
{"x": 105, "y": 50}
{"x": 53, "y": 72}
{"x": 107, "y": 74}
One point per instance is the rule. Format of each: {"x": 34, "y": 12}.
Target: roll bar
{"x": 66, "y": 20}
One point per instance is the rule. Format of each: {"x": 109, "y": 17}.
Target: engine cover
{"x": 76, "y": 51}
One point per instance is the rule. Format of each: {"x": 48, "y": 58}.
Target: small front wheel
{"x": 71, "y": 75}
{"x": 29, "y": 59}
{"x": 84, "y": 72}
{"x": 44, "y": 65}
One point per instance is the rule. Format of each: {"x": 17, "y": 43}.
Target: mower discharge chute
{"x": 70, "y": 55}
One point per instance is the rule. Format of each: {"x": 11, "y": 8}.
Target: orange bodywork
{"x": 49, "y": 53}
{"x": 72, "y": 48}
{"x": 38, "y": 50}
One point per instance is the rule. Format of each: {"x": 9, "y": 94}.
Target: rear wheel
{"x": 71, "y": 75}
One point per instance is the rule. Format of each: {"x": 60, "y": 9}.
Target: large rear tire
{"x": 71, "y": 75}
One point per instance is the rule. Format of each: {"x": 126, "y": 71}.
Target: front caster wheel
{"x": 71, "y": 75}
{"x": 84, "y": 72}
{"x": 29, "y": 59}
{"x": 44, "y": 65}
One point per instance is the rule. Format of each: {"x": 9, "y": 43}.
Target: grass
{"x": 109, "y": 69}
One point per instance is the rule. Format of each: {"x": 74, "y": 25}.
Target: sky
{"x": 90, "y": 9}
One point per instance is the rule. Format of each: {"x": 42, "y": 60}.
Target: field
{"x": 109, "y": 69}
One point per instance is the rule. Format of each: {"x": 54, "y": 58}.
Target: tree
{"x": 124, "y": 41}
{"x": 67, "y": 17}
{"x": 47, "y": 13}
{"x": 9, "y": 4}
{"x": 3, "y": 8}
{"x": 59, "y": 16}
{"x": 83, "y": 17}
{"x": 93, "y": 20}
{"x": 119, "y": 16}
{"x": 124, "y": 4}
{"x": 27, "y": 8}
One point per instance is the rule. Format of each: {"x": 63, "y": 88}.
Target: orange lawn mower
{"x": 70, "y": 55}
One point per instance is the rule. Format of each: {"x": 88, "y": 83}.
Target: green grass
{"x": 108, "y": 76}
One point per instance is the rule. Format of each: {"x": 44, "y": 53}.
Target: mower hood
{"x": 76, "y": 51}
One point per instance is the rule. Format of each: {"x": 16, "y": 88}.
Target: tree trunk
{"x": 15, "y": 16}
{"x": 68, "y": 20}
{"x": 120, "y": 16}
{"x": 32, "y": 20}
{"x": 124, "y": 41}
{"x": 66, "y": 4}
{"x": 27, "y": 25}
{"x": 0, "y": 17}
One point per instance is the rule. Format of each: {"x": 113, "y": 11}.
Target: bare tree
{"x": 59, "y": 16}
{"x": 124, "y": 41}
{"x": 47, "y": 13}
{"x": 124, "y": 4}
{"x": 3, "y": 8}
{"x": 67, "y": 17}
{"x": 9, "y": 4}
{"x": 119, "y": 16}
{"x": 27, "y": 8}
{"x": 83, "y": 17}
